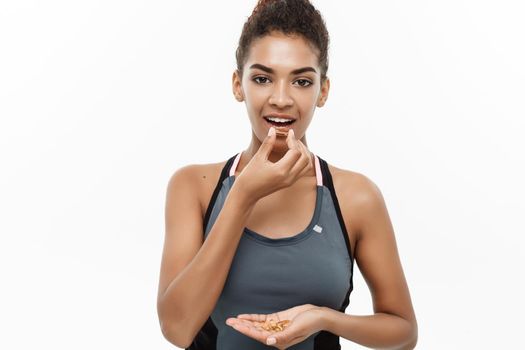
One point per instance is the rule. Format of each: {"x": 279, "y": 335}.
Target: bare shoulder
{"x": 183, "y": 219}
{"x": 376, "y": 249}
{"x": 201, "y": 179}
{"x": 358, "y": 196}
{"x": 361, "y": 188}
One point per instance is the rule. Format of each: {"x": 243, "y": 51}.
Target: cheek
{"x": 308, "y": 101}
{"x": 255, "y": 98}
{"x": 255, "y": 93}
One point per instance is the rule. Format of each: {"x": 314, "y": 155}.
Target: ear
{"x": 323, "y": 95}
{"x": 237, "y": 86}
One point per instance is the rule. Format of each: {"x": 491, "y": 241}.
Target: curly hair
{"x": 290, "y": 17}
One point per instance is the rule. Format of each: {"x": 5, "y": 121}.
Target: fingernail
{"x": 271, "y": 131}
{"x": 270, "y": 341}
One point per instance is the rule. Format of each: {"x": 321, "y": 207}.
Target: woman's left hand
{"x": 305, "y": 320}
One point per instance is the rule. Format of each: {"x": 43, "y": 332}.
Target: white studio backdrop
{"x": 101, "y": 101}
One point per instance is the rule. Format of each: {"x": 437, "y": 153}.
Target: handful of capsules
{"x": 272, "y": 326}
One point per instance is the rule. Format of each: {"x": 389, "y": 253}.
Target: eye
{"x": 303, "y": 82}
{"x": 258, "y": 81}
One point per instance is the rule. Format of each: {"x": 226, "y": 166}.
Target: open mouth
{"x": 279, "y": 124}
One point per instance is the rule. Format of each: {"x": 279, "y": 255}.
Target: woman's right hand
{"x": 261, "y": 177}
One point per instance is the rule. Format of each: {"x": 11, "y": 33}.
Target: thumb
{"x": 267, "y": 144}
{"x": 271, "y": 340}
{"x": 284, "y": 337}
{"x": 278, "y": 339}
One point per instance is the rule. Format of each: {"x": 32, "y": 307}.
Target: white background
{"x": 101, "y": 101}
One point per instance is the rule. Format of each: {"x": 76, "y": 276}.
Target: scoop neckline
{"x": 296, "y": 237}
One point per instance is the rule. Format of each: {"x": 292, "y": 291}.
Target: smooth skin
{"x": 276, "y": 178}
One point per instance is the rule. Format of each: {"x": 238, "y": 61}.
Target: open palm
{"x": 303, "y": 321}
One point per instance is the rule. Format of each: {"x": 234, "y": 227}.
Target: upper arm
{"x": 377, "y": 255}
{"x": 183, "y": 225}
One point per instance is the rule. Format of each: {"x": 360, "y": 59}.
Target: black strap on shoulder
{"x": 224, "y": 175}
{"x": 327, "y": 179}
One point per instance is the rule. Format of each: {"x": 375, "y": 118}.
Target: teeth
{"x": 279, "y": 120}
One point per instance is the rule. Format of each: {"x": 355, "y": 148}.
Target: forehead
{"x": 282, "y": 51}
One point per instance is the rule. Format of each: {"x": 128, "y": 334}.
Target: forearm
{"x": 378, "y": 331}
{"x": 190, "y": 298}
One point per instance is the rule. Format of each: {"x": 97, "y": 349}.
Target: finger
{"x": 302, "y": 163}
{"x": 259, "y": 325}
{"x": 287, "y": 337}
{"x": 243, "y": 325}
{"x": 306, "y": 170}
{"x": 248, "y": 323}
{"x": 291, "y": 141}
{"x": 311, "y": 157}
{"x": 253, "y": 317}
{"x": 236, "y": 321}
{"x": 310, "y": 154}
{"x": 307, "y": 152}
{"x": 292, "y": 155}
{"x": 311, "y": 163}
{"x": 252, "y": 332}
{"x": 267, "y": 144}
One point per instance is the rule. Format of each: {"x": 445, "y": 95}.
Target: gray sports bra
{"x": 267, "y": 275}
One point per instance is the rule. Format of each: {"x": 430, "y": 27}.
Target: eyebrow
{"x": 271, "y": 71}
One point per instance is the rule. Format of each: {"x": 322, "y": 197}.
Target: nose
{"x": 280, "y": 96}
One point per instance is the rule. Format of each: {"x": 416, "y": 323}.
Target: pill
{"x": 281, "y": 132}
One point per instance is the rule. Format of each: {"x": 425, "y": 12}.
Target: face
{"x": 281, "y": 77}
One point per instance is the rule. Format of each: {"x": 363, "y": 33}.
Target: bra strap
{"x": 234, "y": 165}
{"x": 318, "y": 172}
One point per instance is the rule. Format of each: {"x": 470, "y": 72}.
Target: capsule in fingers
{"x": 282, "y": 133}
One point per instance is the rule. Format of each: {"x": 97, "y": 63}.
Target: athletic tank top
{"x": 314, "y": 266}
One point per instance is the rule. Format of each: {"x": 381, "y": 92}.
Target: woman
{"x": 259, "y": 249}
